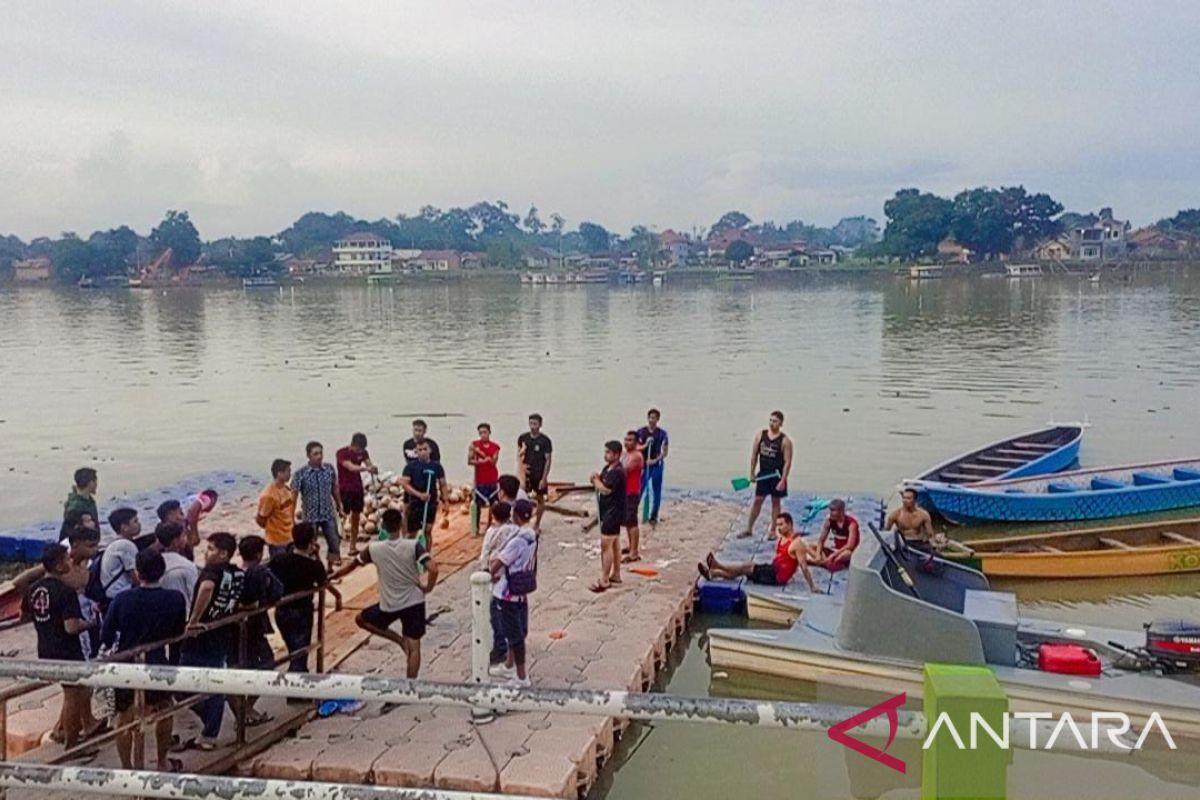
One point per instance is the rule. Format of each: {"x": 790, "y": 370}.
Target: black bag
{"x": 97, "y": 591}
{"x": 524, "y": 582}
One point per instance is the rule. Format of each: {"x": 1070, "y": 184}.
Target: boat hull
{"x": 1056, "y": 460}
{"x": 1090, "y": 563}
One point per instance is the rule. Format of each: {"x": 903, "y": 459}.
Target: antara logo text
{"x": 1036, "y": 730}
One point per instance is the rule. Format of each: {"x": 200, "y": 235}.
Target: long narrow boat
{"x": 1040, "y": 452}
{"x": 1070, "y": 496}
{"x": 1152, "y": 548}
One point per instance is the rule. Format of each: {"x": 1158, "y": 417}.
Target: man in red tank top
{"x": 834, "y": 553}
{"x": 791, "y": 555}
{"x": 633, "y": 462}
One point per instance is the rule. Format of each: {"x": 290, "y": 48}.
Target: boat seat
{"x": 1107, "y": 483}
{"x": 992, "y": 468}
{"x": 1003, "y": 460}
{"x": 1024, "y": 454}
{"x": 1179, "y": 537}
{"x": 1014, "y": 491}
{"x": 1113, "y": 543}
{"x": 1149, "y": 479}
{"x": 961, "y": 476}
{"x": 1045, "y": 548}
{"x": 1059, "y": 487}
{"x": 1036, "y": 446}
{"x": 1186, "y": 474}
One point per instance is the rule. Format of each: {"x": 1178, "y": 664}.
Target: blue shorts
{"x": 486, "y": 493}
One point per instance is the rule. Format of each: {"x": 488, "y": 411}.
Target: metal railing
{"x": 143, "y": 720}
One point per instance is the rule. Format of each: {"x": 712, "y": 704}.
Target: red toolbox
{"x": 1069, "y": 659}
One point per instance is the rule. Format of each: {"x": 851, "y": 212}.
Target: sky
{"x": 664, "y": 113}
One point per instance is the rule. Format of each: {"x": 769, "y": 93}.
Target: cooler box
{"x": 995, "y": 614}
{"x": 1068, "y": 659}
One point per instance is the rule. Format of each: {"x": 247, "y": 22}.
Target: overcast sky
{"x": 663, "y": 113}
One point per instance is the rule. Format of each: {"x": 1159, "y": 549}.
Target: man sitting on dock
{"x": 791, "y": 555}
{"x": 835, "y": 555}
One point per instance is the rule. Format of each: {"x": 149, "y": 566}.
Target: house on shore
{"x": 1153, "y": 243}
{"x": 1103, "y": 241}
{"x": 674, "y": 248}
{"x": 541, "y": 258}
{"x": 32, "y": 270}
{"x": 1053, "y": 250}
{"x": 362, "y": 253}
{"x": 438, "y": 261}
{"x": 949, "y": 250}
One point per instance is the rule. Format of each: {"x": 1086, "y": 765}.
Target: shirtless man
{"x": 913, "y": 522}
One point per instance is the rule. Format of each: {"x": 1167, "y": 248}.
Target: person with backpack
{"x": 514, "y": 578}
{"x": 402, "y": 585}
{"x": 118, "y": 562}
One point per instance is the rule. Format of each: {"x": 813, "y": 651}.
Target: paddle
{"x": 895, "y": 562}
{"x": 745, "y": 483}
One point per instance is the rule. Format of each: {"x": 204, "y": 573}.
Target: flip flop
{"x": 709, "y": 560}
{"x": 256, "y": 718}
{"x": 598, "y": 588}
{"x": 745, "y": 534}
{"x": 174, "y": 765}
{"x": 628, "y": 559}
{"x": 704, "y": 573}
{"x": 645, "y": 572}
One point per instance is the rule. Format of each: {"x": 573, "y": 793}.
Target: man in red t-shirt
{"x": 352, "y": 462}
{"x": 632, "y": 461}
{"x": 483, "y": 454}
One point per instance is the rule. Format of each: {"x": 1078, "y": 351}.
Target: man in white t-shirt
{"x": 399, "y": 560}
{"x": 119, "y": 560}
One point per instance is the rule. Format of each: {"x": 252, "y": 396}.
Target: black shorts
{"x": 764, "y": 575}
{"x": 610, "y": 525}
{"x": 631, "y": 510}
{"x": 514, "y": 621}
{"x": 769, "y": 486}
{"x": 533, "y": 485}
{"x": 123, "y": 699}
{"x": 412, "y": 619}
{"x": 352, "y": 501}
{"x": 415, "y": 512}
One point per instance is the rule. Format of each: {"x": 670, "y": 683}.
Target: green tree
{"x": 916, "y": 222}
{"x": 595, "y": 237}
{"x": 739, "y": 252}
{"x": 1187, "y": 220}
{"x": 177, "y": 232}
{"x": 982, "y": 221}
{"x": 729, "y": 220}
{"x": 113, "y": 250}
{"x": 533, "y": 223}
{"x": 316, "y": 231}
{"x": 1033, "y": 215}
{"x": 71, "y": 258}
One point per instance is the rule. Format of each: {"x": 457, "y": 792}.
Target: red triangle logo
{"x": 840, "y": 732}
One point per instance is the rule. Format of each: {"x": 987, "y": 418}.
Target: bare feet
{"x": 703, "y": 570}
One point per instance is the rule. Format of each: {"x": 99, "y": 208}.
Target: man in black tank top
{"x": 770, "y": 464}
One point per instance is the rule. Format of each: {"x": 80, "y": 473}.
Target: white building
{"x": 362, "y": 253}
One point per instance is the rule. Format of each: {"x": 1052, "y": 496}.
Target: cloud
{"x": 669, "y": 113}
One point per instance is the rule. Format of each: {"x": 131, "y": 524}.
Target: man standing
{"x": 54, "y": 608}
{"x": 517, "y": 555}
{"x": 80, "y": 500}
{"x": 180, "y": 573}
{"x": 119, "y": 560}
{"x": 483, "y": 454}
{"x": 424, "y": 482}
{"x": 218, "y": 595}
{"x": 352, "y": 463}
{"x": 610, "y": 496}
{"x": 299, "y": 569}
{"x": 653, "y": 442}
{"x": 316, "y": 484}
{"x": 144, "y": 614}
{"x": 410, "y": 445}
{"x": 535, "y": 453}
{"x": 770, "y": 465}
{"x": 633, "y": 463}
{"x": 277, "y": 508}
{"x": 402, "y": 587}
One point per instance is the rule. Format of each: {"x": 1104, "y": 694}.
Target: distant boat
{"x": 1152, "y": 548}
{"x": 259, "y": 282}
{"x": 86, "y": 283}
{"x": 630, "y": 277}
{"x": 658, "y": 278}
{"x": 593, "y": 276}
{"x": 1040, "y": 452}
{"x": 921, "y": 272}
{"x": 735, "y": 275}
{"x": 1081, "y": 495}
{"x": 1023, "y": 270}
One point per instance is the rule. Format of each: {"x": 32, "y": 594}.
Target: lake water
{"x": 878, "y": 376}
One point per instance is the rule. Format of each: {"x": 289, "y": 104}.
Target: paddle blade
{"x": 740, "y": 483}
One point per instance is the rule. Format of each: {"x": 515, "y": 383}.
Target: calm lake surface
{"x": 879, "y": 377}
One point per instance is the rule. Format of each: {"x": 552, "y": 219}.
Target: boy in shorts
{"x": 402, "y": 588}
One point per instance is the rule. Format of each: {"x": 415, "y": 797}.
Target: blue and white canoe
{"x": 1041, "y": 452}
{"x": 1071, "y": 496}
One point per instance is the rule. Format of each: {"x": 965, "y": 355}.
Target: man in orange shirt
{"x": 277, "y": 508}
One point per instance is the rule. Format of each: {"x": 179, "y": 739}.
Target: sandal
{"x": 704, "y": 573}
{"x": 630, "y": 559}
{"x": 254, "y": 718}
{"x": 173, "y": 765}
{"x": 598, "y": 588}
{"x": 746, "y": 534}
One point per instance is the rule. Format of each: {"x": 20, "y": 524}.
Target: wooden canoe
{"x": 1153, "y": 548}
